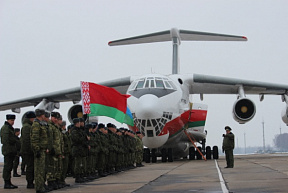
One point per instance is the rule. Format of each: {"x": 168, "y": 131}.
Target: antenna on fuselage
{"x": 176, "y": 36}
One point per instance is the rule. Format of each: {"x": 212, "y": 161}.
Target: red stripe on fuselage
{"x": 176, "y": 125}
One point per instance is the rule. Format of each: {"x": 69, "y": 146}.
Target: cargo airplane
{"x": 160, "y": 103}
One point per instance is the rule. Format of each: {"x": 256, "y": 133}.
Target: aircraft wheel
{"x": 164, "y": 155}
{"x": 198, "y": 155}
{"x": 215, "y": 152}
{"x": 192, "y": 153}
{"x": 208, "y": 152}
{"x": 170, "y": 155}
{"x": 154, "y": 157}
{"x": 147, "y": 155}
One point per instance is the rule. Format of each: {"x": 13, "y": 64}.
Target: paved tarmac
{"x": 252, "y": 173}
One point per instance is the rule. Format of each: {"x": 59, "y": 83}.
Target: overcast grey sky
{"x": 46, "y": 46}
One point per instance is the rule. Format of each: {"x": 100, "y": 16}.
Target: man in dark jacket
{"x": 17, "y": 157}
{"x": 9, "y": 149}
{"x": 26, "y": 150}
{"x": 228, "y": 146}
{"x": 78, "y": 140}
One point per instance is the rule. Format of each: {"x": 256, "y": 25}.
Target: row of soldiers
{"x": 47, "y": 148}
{"x": 99, "y": 151}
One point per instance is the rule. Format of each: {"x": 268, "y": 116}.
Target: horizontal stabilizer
{"x": 184, "y": 35}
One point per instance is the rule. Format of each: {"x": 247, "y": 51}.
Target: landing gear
{"x": 170, "y": 155}
{"x": 192, "y": 153}
{"x": 208, "y": 152}
{"x": 215, "y": 152}
{"x": 198, "y": 155}
{"x": 147, "y": 155}
{"x": 154, "y": 156}
{"x": 166, "y": 154}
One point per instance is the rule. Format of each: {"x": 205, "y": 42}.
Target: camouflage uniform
{"x": 67, "y": 152}
{"x": 103, "y": 153}
{"x": 120, "y": 153}
{"x": 53, "y": 163}
{"x": 139, "y": 151}
{"x": 78, "y": 141}
{"x": 113, "y": 149}
{"x": 39, "y": 144}
{"x": 94, "y": 151}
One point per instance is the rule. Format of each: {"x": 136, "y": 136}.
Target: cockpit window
{"x": 159, "y": 83}
{"x": 140, "y": 84}
{"x": 153, "y": 82}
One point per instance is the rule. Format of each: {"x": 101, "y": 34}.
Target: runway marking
{"x": 222, "y": 182}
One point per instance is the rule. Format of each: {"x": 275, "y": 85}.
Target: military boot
{"x": 102, "y": 174}
{"x": 30, "y": 185}
{"x": 23, "y": 172}
{"x": 78, "y": 179}
{"x": 9, "y": 185}
{"x": 16, "y": 175}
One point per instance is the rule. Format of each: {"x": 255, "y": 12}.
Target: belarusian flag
{"x": 100, "y": 100}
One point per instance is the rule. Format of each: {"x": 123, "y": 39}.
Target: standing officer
{"x": 228, "y": 146}
{"x": 39, "y": 144}
{"x": 9, "y": 149}
{"x": 26, "y": 150}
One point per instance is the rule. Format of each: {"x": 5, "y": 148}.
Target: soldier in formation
{"x": 26, "y": 150}
{"x": 92, "y": 150}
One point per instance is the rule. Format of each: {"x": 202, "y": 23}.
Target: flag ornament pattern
{"x": 100, "y": 100}
{"x": 85, "y": 97}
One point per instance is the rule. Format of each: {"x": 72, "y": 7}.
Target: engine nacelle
{"x": 76, "y": 112}
{"x": 243, "y": 110}
{"x": 284, "y": 115}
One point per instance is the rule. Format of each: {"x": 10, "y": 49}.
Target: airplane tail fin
{"x": 176, "y": 36}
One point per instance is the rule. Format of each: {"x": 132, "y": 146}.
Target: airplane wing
{"x": 73, "y": 94}
{"x": 206, "y": 84}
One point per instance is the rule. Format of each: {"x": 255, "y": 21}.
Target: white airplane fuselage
{"x": 160, "y": 108}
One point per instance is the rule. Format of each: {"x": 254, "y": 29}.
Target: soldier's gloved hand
{"x": 38, "y": 154}
{"x": 52, "y": 151}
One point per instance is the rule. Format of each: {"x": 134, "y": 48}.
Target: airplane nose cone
{"x": 148, "y": 107}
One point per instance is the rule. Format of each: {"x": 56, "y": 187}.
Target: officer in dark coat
{"x": 26, "y": 150}
{"x": 228, "y": 146}
{"x": 17, "y": 157}
{"x": 9, "y": 149}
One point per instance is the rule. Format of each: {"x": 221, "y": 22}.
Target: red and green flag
{"x": 100, "y": 100}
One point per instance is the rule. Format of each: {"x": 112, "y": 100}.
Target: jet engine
{"x": 243, "y": 110}
{"x": 75, "y": 112}
{"x": 284, "y": 115}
